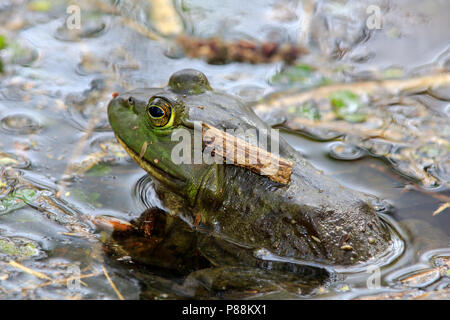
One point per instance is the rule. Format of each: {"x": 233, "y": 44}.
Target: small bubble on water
{"x": 20, "y": 124}
{"x": 344, "y": 151}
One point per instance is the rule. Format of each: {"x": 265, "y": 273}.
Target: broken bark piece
{"x": 244, "y": 154}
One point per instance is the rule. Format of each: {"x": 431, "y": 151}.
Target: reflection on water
{"x": 56, "y": 145}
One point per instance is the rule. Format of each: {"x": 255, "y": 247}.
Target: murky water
{"x": 56, "y": 143}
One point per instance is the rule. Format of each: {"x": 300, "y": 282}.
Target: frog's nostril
{"x": 131, "y": 101}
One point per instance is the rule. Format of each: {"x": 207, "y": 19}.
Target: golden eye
{"x": 156, "y": 112}
{"x": 159, "y": 111}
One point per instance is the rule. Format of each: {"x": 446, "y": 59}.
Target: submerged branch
{"x": 367, "y": 87}
{"x": 112, "y": 284}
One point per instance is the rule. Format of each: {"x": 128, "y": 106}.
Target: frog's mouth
{"x": 155, "y": 172}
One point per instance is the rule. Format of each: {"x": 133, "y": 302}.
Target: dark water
{"x": 53, "y": 96}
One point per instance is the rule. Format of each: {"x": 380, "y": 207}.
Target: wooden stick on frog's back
{"x": 256, "y": 159}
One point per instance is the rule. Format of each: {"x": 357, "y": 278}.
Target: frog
{"x": 230, "y": 215}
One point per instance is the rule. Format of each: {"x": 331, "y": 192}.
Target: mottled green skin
{"x": 241, "y": 210}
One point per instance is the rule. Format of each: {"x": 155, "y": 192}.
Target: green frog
{"x": 230, "y": 215}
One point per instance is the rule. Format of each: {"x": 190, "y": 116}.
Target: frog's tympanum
{"x": 240, "y": 217}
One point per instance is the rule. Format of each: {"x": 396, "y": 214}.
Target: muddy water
{"x": 55, "y": 138}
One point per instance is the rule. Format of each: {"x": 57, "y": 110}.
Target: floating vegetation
{"x": 18, "y": 248}
{"x": 99, "y": 170}
{"x": 87, "y": 197}
{"x": 391, "y": 124}
{"x": 392, "y": 73}
{"x": 347, "y": 106}
{"x": 303, "y": 76}
{"x": 20, "y": 53}
{"x": 306, "y": 110}
{"x": 40, "y": 5}
{"x": 299, "y": 73}
{"x": 17, "y": 199}
{"x": 2, "y": 42}
{"x": 2, "y": 46}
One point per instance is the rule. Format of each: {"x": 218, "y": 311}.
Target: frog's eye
{"x": 159, "y": 111}
{"x": 156, "y": 112}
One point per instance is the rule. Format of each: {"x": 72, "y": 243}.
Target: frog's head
{"x": 145, "y": 121}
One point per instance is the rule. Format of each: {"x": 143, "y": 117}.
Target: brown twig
{"x": 28, "y": 270}
{"x": 112, "y": 284}
{"x": 441, "y": 208}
